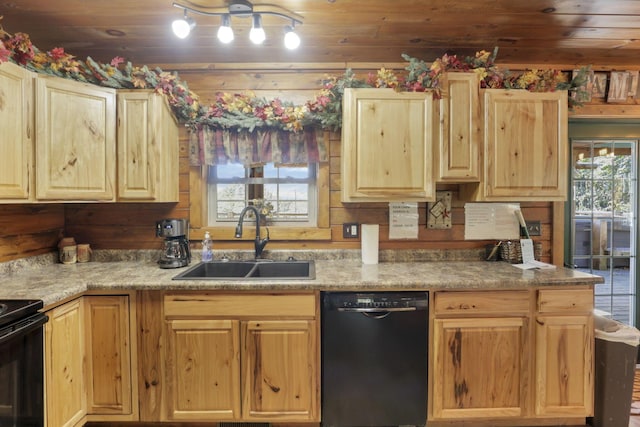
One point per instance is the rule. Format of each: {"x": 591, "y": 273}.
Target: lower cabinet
{"x": 481, "y": 351}
{"x": 241, "y": 357}
{"x": 279, "y": 369}
{"x": 88, "y": 362}
{"x": 111, "y": 385}
{"x": 482, "y": 367}
{"x": 564, "y": 362}
{"x": 489, "y": 363}
{"x": 64, "y": 365}
{"x": 202, "y": 362}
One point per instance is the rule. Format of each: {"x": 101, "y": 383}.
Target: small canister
{"x": 84, "y": 252}
{"x": 68, "y": 250}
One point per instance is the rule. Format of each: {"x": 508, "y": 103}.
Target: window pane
{"x": 582, "y": 197}
{"x": 229, "y": 171}
{"x": 230, "y": 191}
{"x": 299, "y": 172}
{"x": 228, "y": 210}
{"x": 582, "y": 161}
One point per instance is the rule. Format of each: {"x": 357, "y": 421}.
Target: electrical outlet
{"x": 350, "y": 230}
{"x": 534, "y": 228}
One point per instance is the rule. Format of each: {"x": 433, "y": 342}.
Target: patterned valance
{"x": 211, "y": 146}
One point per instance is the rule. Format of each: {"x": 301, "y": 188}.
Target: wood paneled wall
{"x": 132, "y": 226}
{"x": 27, "y": 230}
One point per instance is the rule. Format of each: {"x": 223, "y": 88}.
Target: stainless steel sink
{"x": 253, "y": 270}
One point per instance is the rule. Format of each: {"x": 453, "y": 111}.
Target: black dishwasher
{"x": 374, "y": 358}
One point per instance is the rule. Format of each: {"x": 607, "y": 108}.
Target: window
{"x": 288, "y": 192}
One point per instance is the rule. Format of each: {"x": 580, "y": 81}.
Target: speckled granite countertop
{"x": 40, "y": 278}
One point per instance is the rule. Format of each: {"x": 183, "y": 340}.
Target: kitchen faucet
{"x": 259, "y": 243}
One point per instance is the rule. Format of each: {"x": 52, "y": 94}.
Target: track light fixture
{"x": 243, "y": 9}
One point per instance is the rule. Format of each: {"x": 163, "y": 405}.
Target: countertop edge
{"x": 58, "y": 282}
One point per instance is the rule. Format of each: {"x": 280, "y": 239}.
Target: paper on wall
{"x": 403, "y": 220}
{"x": 491, "y": 221}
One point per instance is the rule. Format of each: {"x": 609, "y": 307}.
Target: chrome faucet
{"x": 259, "y": 242}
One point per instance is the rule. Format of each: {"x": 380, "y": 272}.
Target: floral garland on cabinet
{"x": 246, "y": 112}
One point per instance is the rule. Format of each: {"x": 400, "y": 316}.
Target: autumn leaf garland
{"x": 245, "y": 111}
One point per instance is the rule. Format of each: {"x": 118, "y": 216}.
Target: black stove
{"x": 21, "y": 363}
{"x": 12, "y": 310}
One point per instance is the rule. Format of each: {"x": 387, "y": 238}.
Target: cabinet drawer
{"x": 565, "y": 300}
{"x": 199, "y": 305}
{"x": 481, "y": 302}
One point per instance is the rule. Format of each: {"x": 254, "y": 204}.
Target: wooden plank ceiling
{"x": 544, "y": 33}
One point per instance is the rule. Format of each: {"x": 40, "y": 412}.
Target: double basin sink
{"x": 249, "y": 270}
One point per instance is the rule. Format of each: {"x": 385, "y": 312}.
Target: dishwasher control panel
{"x": 376, "y": 300}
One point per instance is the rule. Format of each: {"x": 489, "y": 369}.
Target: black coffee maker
{"x": 175, "y": 249}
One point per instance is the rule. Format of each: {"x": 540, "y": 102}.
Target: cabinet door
{"x": 109, "y": 380}
{"x": 65, "y": 388}
{"x": 564, "y": 365}
{"x": 526, "y": 145}
{"x": 280, "y": 367}
{"x": 147, "y": 148}
{"x": 387, "y": 146}
{"x": 460, "y": 129}
{"x": 75, "y": 140}
{"x": 203, "y": 370}
{"x": 16, "y": 138}
{"x": 480, "y": 367}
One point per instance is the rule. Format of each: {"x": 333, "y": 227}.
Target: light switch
{"x": 350, "y": 230}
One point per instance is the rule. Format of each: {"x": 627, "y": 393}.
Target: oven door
{"x": 21, "y": 373}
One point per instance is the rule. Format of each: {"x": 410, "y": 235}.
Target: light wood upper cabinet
{"x": 17, "y": 136}
{"x": 460, "y": 129}
{"x": 65, "y": 386}
{"x": 525, "y": 146}
{"x": 110, "y": 381}
{"x": 75, "y": 140}
{"x": 564, "y": 353}
{"x": 147, "y": 148}
{"x": 241, "y": 357}
{"x": 387, "y": 146}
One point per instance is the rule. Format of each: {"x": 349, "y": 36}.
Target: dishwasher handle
{"x": 374, "y": 310}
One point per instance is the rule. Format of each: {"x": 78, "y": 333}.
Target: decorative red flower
{"x": 276, "y": 104}
{"x": 260, "y": 113}
{"x": 116, "y": 61}
{"x": 23, "y": 51}
{"x": 57, "y": 53}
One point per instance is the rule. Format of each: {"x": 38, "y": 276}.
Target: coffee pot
{"x": 175, "y": 248}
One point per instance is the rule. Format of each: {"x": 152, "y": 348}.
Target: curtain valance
{"x": 213, "y": 146}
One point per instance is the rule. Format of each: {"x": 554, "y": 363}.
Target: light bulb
{"x": 291, "y": 39}
{"x": 256, "y": 35}
{"x": 225, "y": 32}
{"x": 182, "y": 27}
